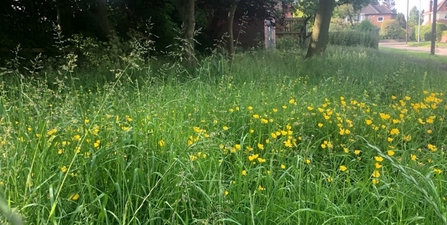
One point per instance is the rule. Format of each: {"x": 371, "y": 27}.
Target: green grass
{"x": 427, "y": 44}
{"x": 415, "y": 55}
{"x": 355, "y": 136}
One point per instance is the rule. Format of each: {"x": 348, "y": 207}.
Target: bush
{"x": 354, "y": 38}
{"x": 426, "y": 31}
{"x": 288, "y": 43}
{"x": 391, "y": 29}
{"x": 365, "y": 26}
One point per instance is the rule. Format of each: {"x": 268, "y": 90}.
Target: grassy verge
{"x": 274, "y": 139}
{"x": 437, "y": 59}
{"x": 427, "y": 44}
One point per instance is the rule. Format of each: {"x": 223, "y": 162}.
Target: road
{"x": 404, "y": 46}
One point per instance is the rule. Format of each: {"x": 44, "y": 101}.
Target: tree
{"x": 391, "y": 29}
{"x": 322, "y": 21}
{"x": 400, "y": 18}
{"x": 99, "y": 10}
{"x": 320, "y": 31}
{"x": 413, "y": 18}
{"x": 186, "y": 11}
{"x": 345, "y": 11}
{"x": 390, "y": 4}
{"x": 230, "y": 21}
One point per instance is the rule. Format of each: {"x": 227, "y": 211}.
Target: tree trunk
{"x": 99, "y": 10}
{"x": 320, "y": 32}
{"x": 64, "y": 17}
{"x": 230, "y": 22}
{"x": 187, "y": 14}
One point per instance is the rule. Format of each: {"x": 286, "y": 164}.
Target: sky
{"x": 401, "y": 5}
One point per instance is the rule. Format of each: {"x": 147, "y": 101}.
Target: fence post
{"x": 270, "y": 33}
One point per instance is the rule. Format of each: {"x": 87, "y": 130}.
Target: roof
{"x": 441, "y": 4}
{"x": 376, "y": 9}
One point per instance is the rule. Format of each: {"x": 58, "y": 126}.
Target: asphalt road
{"x": 404, "y": 46}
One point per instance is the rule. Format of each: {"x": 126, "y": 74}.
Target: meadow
{"x": 357, "y": 136}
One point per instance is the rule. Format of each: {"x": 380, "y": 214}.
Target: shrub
{"x": 354, "y": 38}
{"x": 391, "y": 29}
{"x": 366, "y": 26}
{"x": 426, "y": 31}
{"x": 289, "y": 43}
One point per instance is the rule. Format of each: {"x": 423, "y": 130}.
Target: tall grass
{"x": 351, "y": 137}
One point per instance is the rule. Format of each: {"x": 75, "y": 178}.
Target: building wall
{"x": 377, "y": 20}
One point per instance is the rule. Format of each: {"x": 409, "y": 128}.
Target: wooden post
{"x": 433, "y": 27}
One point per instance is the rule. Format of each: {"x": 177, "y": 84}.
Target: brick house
{"x": 441, "y": 16}
{"x": 376, "y": 14}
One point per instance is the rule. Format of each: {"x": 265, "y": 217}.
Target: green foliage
{"x": 414, "y": 17}
{"x": 366, "y": 26}
{"x": 426, "y": 33}
{"x": 391, "y": 29}
{"x": 369, "y": 39}
{"x": 289, "y": 43}
{"x": 400, "y": 17}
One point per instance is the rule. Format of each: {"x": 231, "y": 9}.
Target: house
{"x": 441, "y": 16}
{"x": 376, "y": 14}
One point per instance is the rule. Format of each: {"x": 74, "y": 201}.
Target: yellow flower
{"x": 329, "y": 179}
{"x": 376, "y": 174}
{"x": 226, "y": 193}
{"x": 161, "y": 143}
{"x": 250, "y": 108}
{"x": 394, "y": 131}
{"x": 260, "y": 146}
{"x": 357, "y": 152}
{"x": 225, "y": 128}
{"x": 390, "y": 152}
{"x": 406, "y": 138}
{"x": 52, "y": 132}
{"x": 310, "y": 108}
{"x": 432, "y": 148}
{"x": 390, "y": 139}
{"x": 256, "y": 116}
{"x": 438, "y": 171}
{"x": 378, "y": 166}
{"x": 74, "y": 197}
{"x": 244, "y": 172}
{"x": 283, "y": 166}
{"x": 64, "y": 169}
{"x": 368, "y": 122}
{"x": 375, "y": 181}
{"x": 261, "y": 160}
{"x": 384, "y": 116}
{"x": 260, "y": 188}
{"x": 413, "y": 157}
{"x": 192, "y": 157}
{"x": 343, "y": 168}
{"x": 253, "y": 157}
{"x": 264, "y": 121}
{"x": 378, "y": 158}
{"x": 307, "y": 161}
{"x": 320, "y": 125}
{"x": 292, "y": 101}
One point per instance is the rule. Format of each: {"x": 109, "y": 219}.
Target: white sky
{"x": 401, "y": 5}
